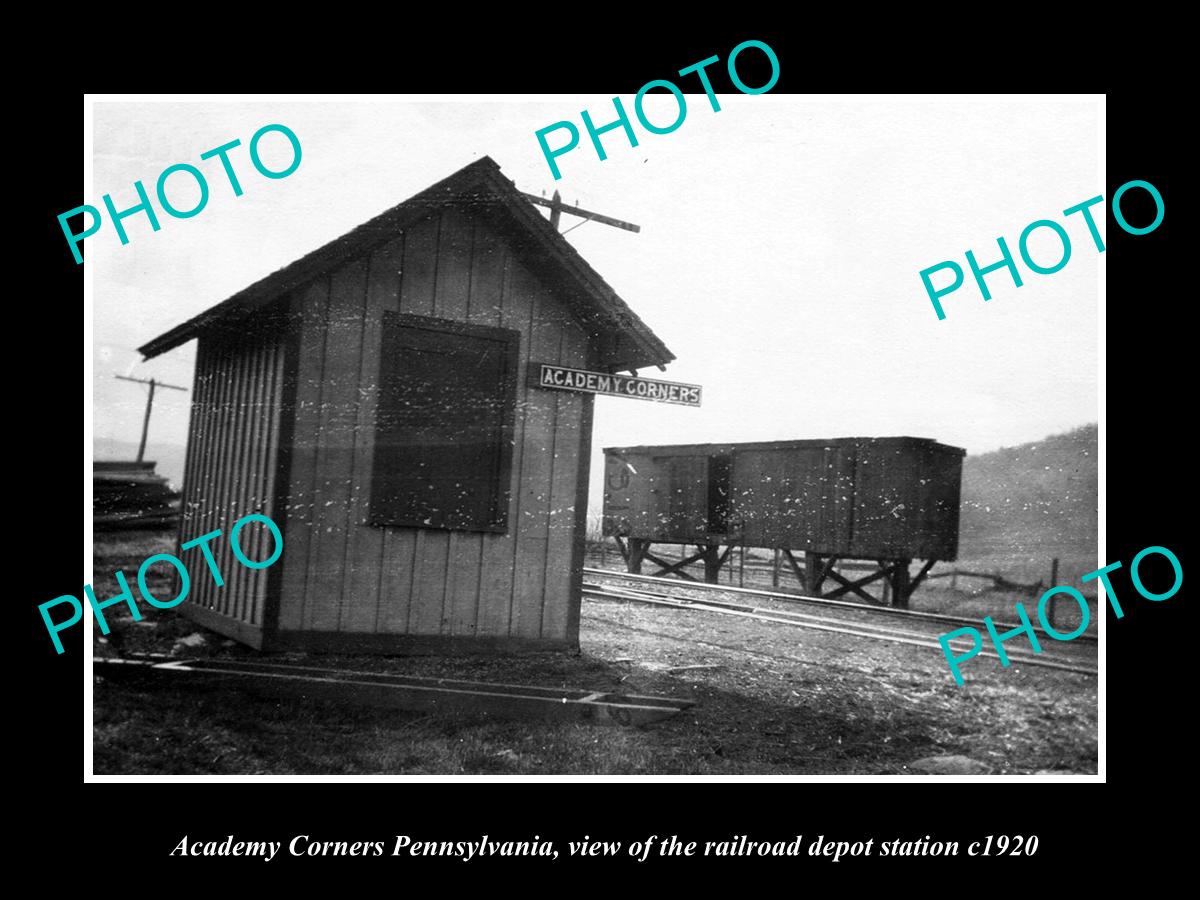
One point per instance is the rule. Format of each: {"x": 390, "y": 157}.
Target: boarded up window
{"x": 443, "y": 442}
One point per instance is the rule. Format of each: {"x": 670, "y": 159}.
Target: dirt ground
{"x": 770, "y": 699}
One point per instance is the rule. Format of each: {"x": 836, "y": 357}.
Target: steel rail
{"x": 802, "y": 598}
{"x": 895, "y": 637}
{"x": 766, "y": 611}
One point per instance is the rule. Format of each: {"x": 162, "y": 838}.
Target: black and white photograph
{"x": 528, "y": 436}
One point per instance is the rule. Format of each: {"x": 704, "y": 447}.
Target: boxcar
{"x": 886, "y": 500}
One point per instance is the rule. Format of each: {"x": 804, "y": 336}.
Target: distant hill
{"x": 1023, "y": 505}
{"x": 169, "y": 457}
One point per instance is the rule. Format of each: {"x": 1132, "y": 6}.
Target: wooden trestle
{"x": 813, "y": 572}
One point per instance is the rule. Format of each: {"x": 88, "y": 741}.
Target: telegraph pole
{"x": 557, "y": 208}
{"x": 149, "y": 404}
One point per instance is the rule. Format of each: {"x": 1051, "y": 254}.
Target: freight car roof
{"x": 718, "y": 449}
{"x": 628, "y": 342}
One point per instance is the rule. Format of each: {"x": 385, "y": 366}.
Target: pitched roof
{"x": 625, "y": 340}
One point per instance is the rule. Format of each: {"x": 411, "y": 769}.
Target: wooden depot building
{"x": 373, "y": 399}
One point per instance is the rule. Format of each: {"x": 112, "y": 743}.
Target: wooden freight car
{"x": 372, "y": 398}
{"x": 885, "y": 500}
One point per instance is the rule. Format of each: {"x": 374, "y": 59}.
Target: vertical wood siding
{"x": 230, "y": 470}
{"x": 343, "y": 575}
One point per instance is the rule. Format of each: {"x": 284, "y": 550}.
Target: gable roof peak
{"x": 628, "y": 342}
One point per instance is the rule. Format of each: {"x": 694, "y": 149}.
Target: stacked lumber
{"x": 131, "y": 495}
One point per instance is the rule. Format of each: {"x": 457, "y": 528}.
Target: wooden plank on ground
{"x": 484, "y": 699}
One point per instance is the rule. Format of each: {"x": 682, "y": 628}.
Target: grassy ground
{"x": 771, "y": 700}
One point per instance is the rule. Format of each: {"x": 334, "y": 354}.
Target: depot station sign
{"x": 610, "y": 384}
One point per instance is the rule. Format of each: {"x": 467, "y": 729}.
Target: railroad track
{"x": 912, "y": 614}
{"x": 861, "y": 629}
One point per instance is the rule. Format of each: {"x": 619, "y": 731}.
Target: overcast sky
{"x": 781, "y": 243}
